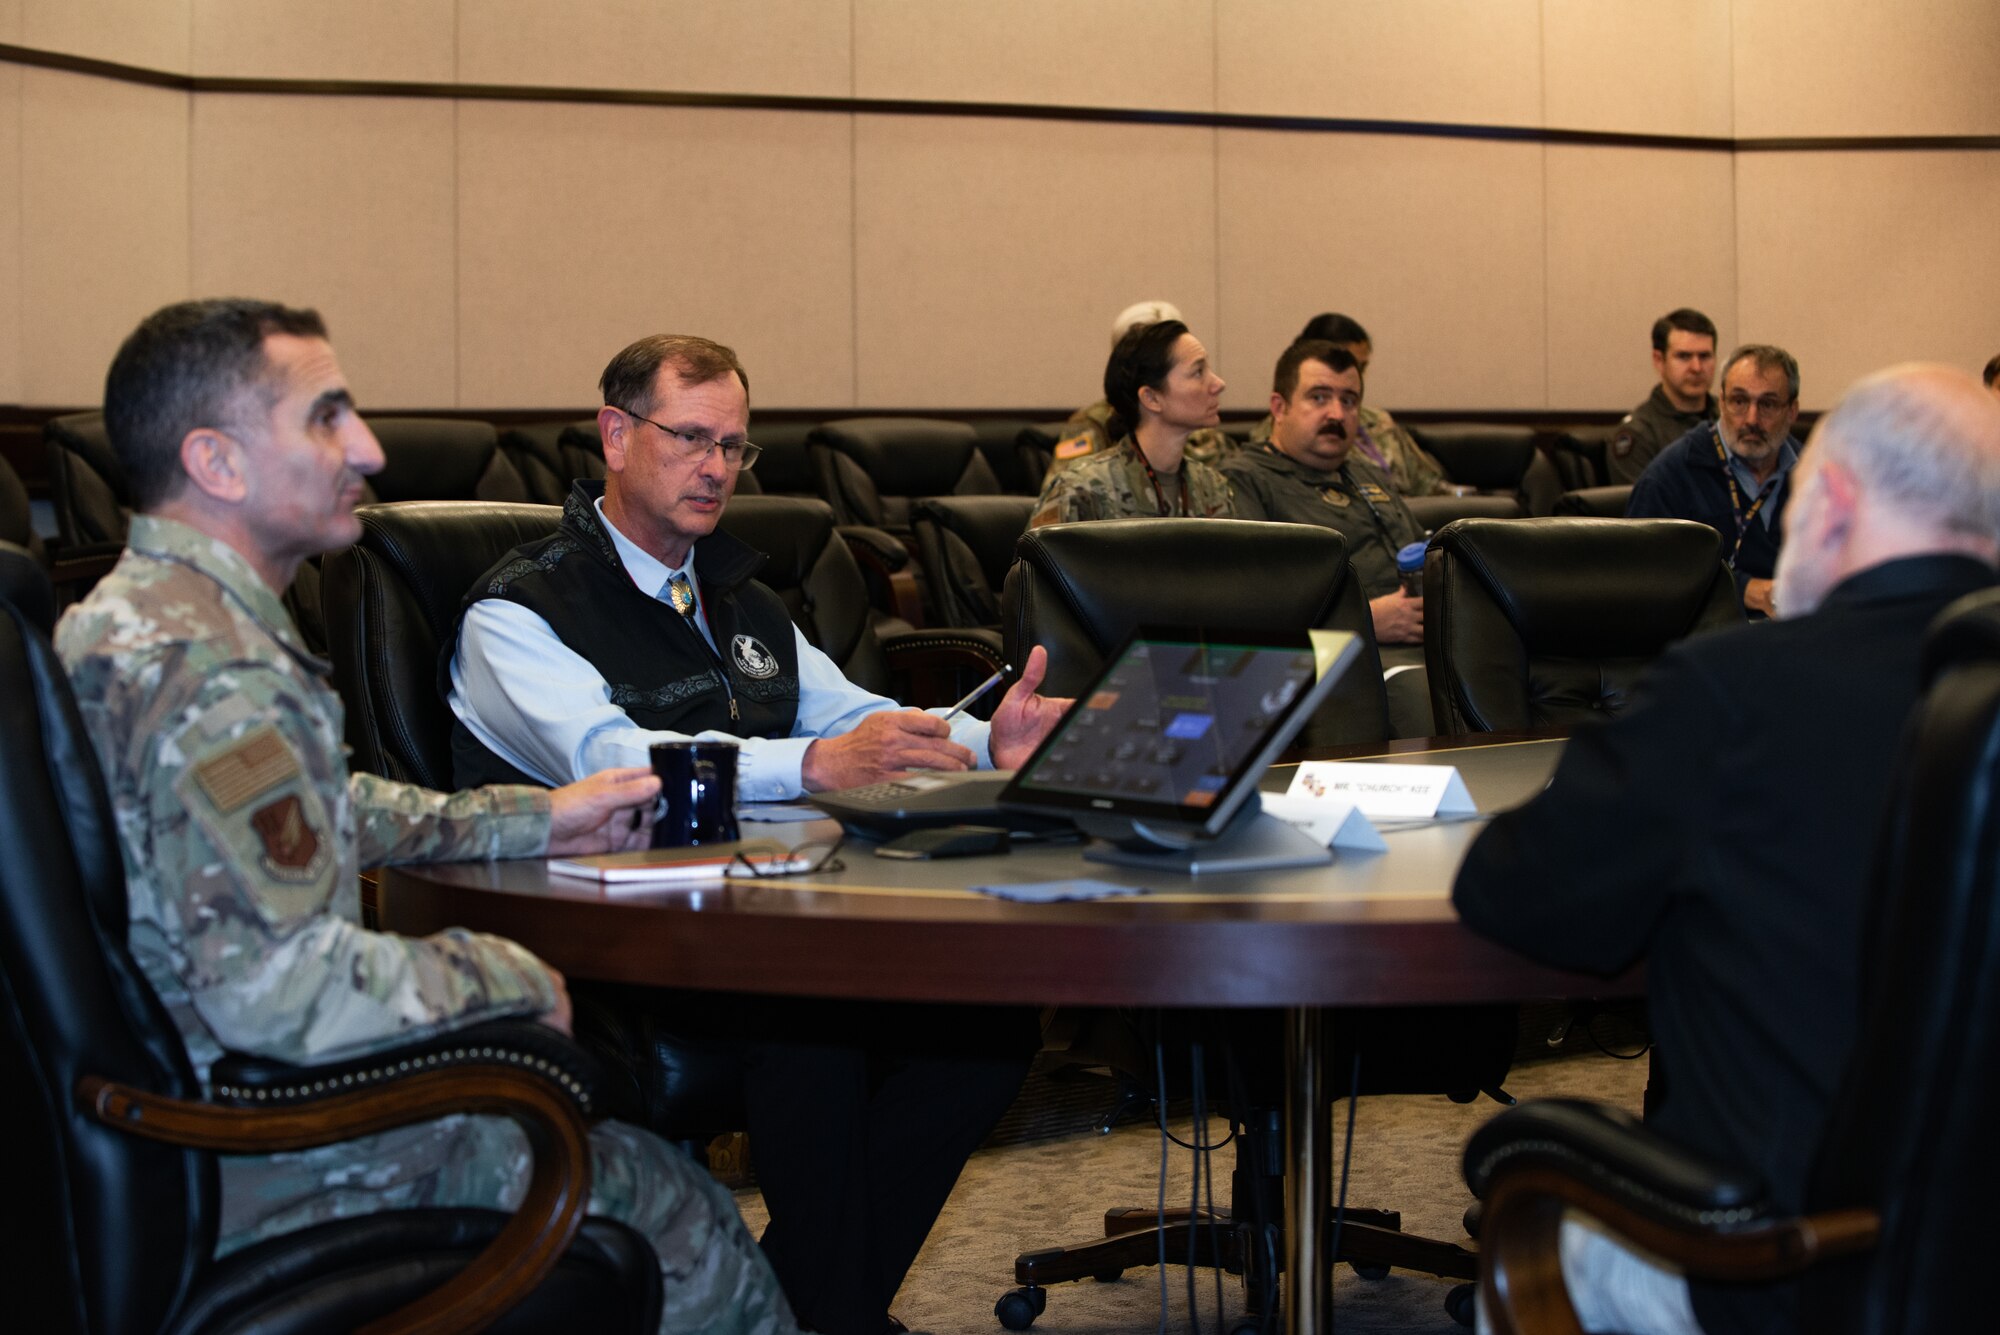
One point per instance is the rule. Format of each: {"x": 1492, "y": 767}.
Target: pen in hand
{"x": 1006, "y": 669}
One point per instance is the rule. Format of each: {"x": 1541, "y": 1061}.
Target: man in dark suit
{"x": 1722, "y": 829}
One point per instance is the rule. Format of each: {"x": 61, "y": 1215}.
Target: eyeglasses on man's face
{"x": 695, "y": 446}
{"x": 1739, "y": 404}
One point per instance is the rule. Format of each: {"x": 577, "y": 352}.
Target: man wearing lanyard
{"x": 1731, "y": 474}
{"x": 1309, "y": 472}
{"x": 638, "y": 622}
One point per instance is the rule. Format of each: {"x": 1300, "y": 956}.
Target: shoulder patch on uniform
{"x": 247, "y": 770}
{"x": 1621, "y": 444}
{"x": 1073, "y": 447}
{"x": 290, "y": 842}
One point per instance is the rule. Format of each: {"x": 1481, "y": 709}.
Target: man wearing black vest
{"x": 637, "y": 622}
{"x": 1722, "y": 829}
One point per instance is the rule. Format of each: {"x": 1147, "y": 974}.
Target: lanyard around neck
{"x": 1166, "y": 510}
{"x": 1744, "y": 519}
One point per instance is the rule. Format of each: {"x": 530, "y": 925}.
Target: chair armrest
{"x": 939, "y": 666}
{"x": 75, "y": 569}
{"x": 244, "y": 1081}
{"x": 1534, "y": 1162}
{"x": 973, "y": 648}
{"x": 874, "y": 548}
{"x": 490, "y": 1069}
{"x": 885, "y": 566}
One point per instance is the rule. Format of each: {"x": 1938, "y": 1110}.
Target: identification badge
{"x": 1339, "y": 500}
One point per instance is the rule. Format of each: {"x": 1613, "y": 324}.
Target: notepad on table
{"x": 707, "y": 862}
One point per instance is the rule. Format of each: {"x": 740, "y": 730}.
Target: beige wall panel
{"x": 744, "y": 46}
{"x": 1434, "y": 244}
{"x": 1637, "y": 68}
{"x": 1047, "y": 52}
{"x": 104, "y": 224}
{"x": 585, "y": 227}
{"x": 152, "y": 34}
{"x": 11, "y": 20}
{"x": 1855, "y": 261}
{"x": 405, "y": 40}
{"x": 991, "y": 255}
{"x": 10, "y": 235}
{"x": 1859, "y": 67}
{"x": 1477, "y": 61}
{"x": 1633, "y": 233}
{"x": 343, "y": 204}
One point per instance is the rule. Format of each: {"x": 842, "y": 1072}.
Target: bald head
{"x": 1906, "y": 464}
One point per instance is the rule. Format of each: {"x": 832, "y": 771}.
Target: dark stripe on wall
{"x": 191, "y": 83}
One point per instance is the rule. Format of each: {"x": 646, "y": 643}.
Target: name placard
{"x": 1386, "y": 792}
{"x": 1332, "y": 821}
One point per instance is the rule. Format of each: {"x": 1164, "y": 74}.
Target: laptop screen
{"x": 1180, "y": 725}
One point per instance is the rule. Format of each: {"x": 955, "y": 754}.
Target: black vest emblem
{"x": 753, "y": 660}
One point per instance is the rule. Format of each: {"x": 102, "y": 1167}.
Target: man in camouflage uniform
{"x": 1309, "y": 472}
{"x": 1684, "y": 361}
{"x": 1381, "y": 439}
{"x": 1088, "y": 431}
{"x": 243, "y": 830}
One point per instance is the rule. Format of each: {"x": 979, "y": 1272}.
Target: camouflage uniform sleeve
{"x": 245, "y": 816}
{"x": 400, "y": 822}
{"x": 1417, "y": 473}
{"x": 1063, "y": 500}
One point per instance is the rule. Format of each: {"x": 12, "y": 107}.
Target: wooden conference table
{"x": 1369, "y": 930}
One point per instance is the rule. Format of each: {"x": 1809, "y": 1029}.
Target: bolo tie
{"x": 680, "y": 593}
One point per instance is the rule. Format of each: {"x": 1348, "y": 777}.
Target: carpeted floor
{"x": 1052, "y": 1192}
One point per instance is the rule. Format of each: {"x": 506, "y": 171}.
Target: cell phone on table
{"x": 947, "y": 841}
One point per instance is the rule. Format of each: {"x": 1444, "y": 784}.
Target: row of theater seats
{"x": 931, "y": 508}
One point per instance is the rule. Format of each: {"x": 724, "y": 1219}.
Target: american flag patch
{"x": 251, "y": 768}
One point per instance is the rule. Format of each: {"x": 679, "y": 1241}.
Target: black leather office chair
{"x": 115, "y": 1177}
{"x": 1898, "y": 1224}
{"x": 1489, "y": 457}
{"x": 441, "y": 459}
{"x": 999, "y": 441}
{"x": 965, "y": 545}
{"x": 1035, "y": 446}
{"x": 1578, "y": 456}
{"x": 872, "y": 469}
{"x": 17, "y": 521}
{"x": 1594, "y": 502}
{"x": 1079, "y": 589}
{"x": 548, "y": 456}
{"x": 1434, "y": 512}
{"x": 1543, "y": 623}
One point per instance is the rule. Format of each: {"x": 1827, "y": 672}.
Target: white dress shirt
{"x": 544, "y": 709}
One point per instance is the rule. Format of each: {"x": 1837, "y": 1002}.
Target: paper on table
{"x": 1049, "y": 892}
{"x": 1392, "y": 792}
{"x": 779, "y": 812}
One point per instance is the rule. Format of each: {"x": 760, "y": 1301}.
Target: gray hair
{"x": 1769, "y": 357}
{"x": 1925, "y": 439}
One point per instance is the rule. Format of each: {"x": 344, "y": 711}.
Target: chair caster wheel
{"x": 1107, "y": 1276}
{"x": 1018, "y": 1308}
{"x": 1372, "y": 1272}
{"x": 1460, "y": 1304}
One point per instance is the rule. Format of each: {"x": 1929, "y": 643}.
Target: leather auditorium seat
{"x": 1482, "y": 455}
{"x": 1578, "y": 455}
{"x": 1035, "y": 446}
{"x": 115, "y": 1142}
{"x": 1898, "y": 1208}
{"x": 965, "y": 545}
{"x": 784, "y": 467}
{"x": 1079, "y": 589}
{"x": 1543, "y": 623}
{"x": 551, "y": 455}
{"x": 872, "y": 469}
{"x": 17, "y": 519}
{"x": 441, "y": 459}
{"x": 1594, "y": 502}
{"x": 999, "y": 441}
